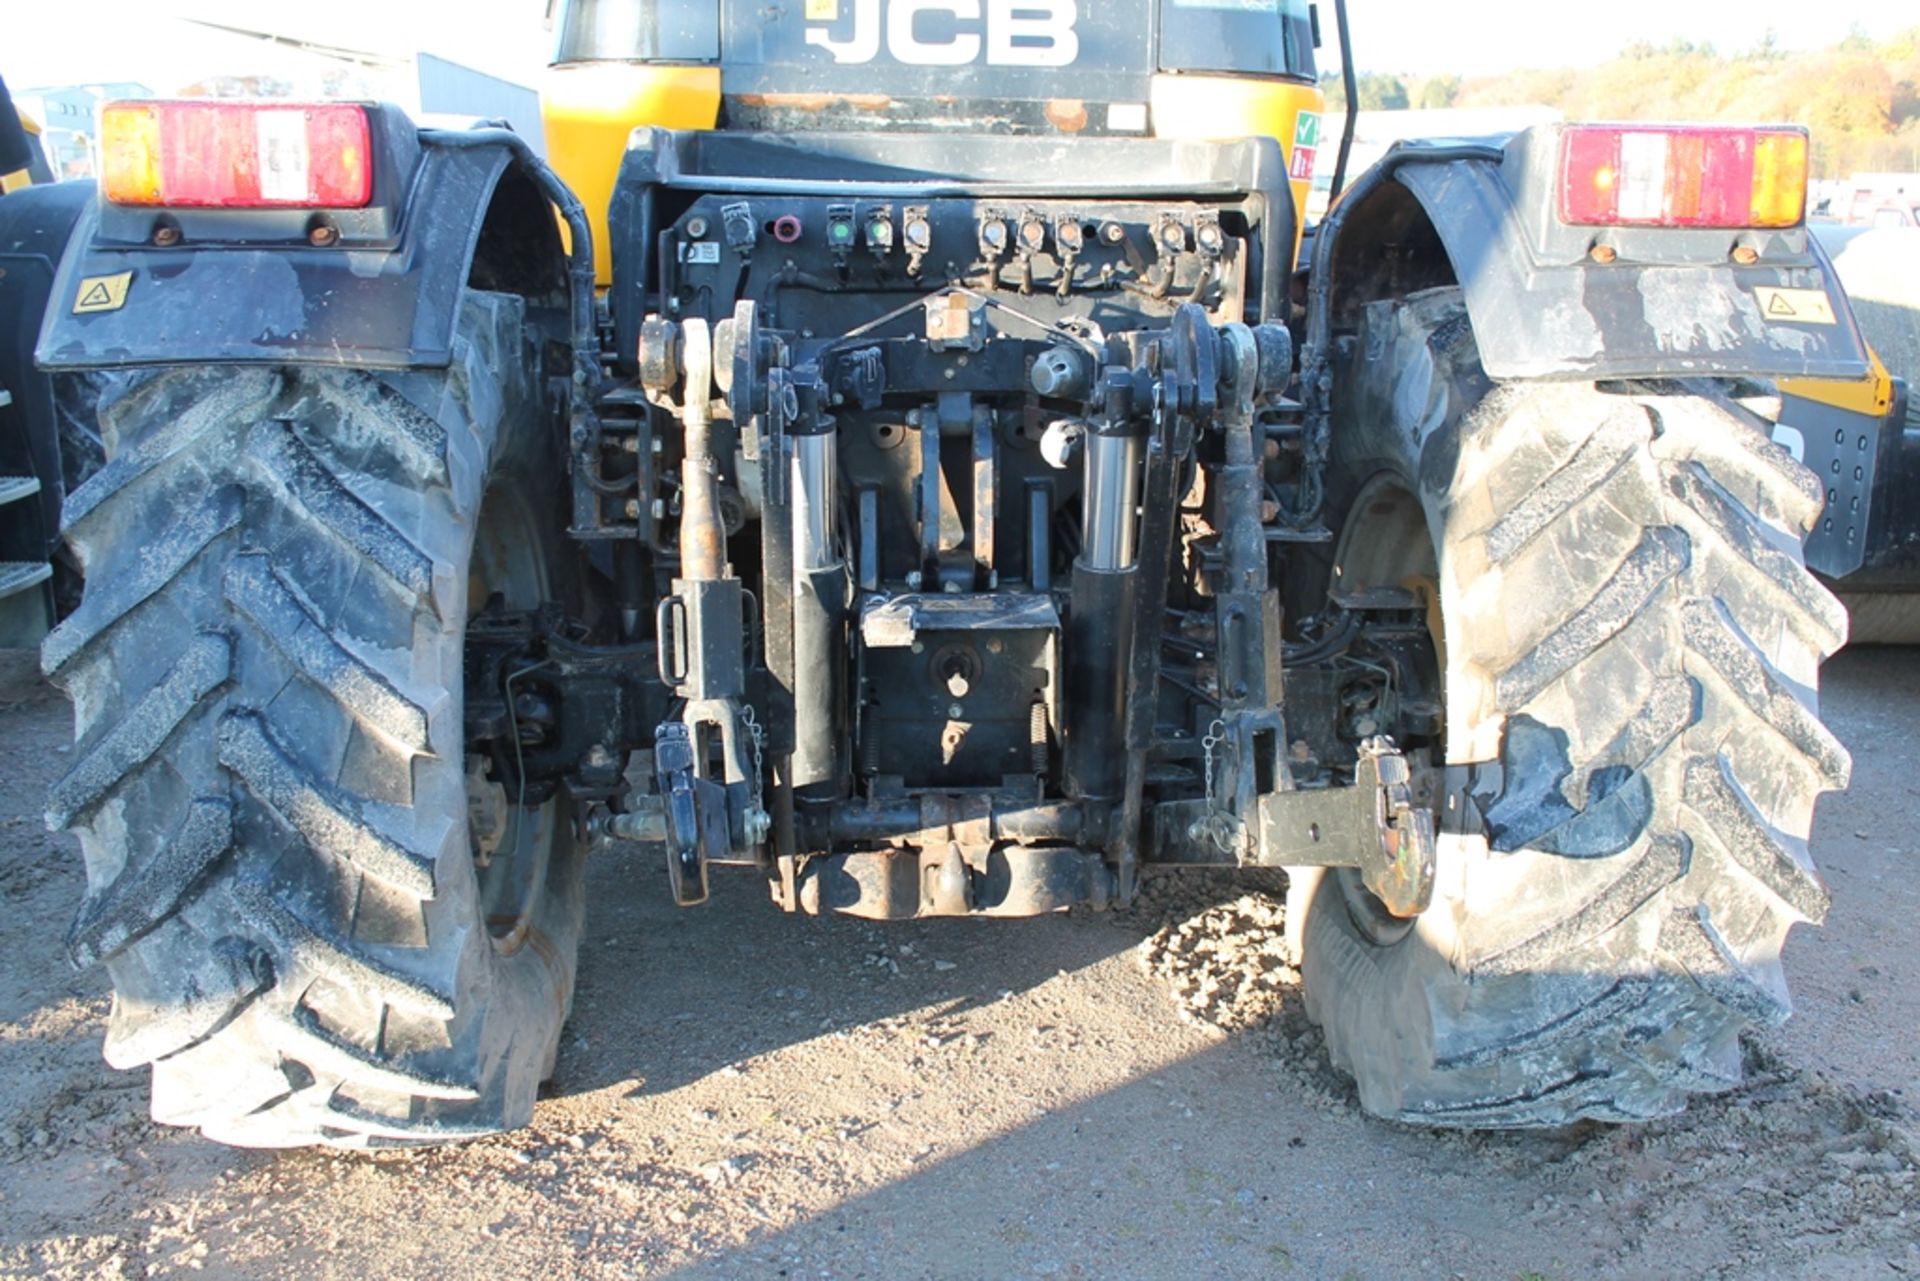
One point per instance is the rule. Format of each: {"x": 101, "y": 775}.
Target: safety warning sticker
{"x": 102, "y": 293}
{"x": 1306, "y": 146}
{"x": 1795, "y": 306}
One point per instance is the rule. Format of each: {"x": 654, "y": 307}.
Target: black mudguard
{"x": 247, "y": 287}
{"x": 36, "y": 224}
{"x": 1672, "y": 303}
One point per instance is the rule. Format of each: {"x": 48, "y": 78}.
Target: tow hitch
{"x": 1374, "y": 826}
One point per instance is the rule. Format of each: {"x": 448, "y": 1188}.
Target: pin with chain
{"x": 759, "y": 822}
{"x": 1219, "y": 826}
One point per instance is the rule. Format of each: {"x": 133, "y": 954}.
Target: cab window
{"x": 638, "y": 31}
{"x": 1249, "y": 37}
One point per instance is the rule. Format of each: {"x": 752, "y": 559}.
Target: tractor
{"x": 913, "y": 452}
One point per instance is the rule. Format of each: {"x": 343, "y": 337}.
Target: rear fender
{"x": 247, "y": 286}
{"x": 1671, "y": 303}
{"x": 36, "y": 225}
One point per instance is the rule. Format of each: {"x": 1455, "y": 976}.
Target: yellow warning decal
{"x": 102, "y": 293}
{"x": 823, "y": 10}
{"x": 1796, "y": 306}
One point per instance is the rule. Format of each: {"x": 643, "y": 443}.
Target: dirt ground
{"x": 742, "y": 1095}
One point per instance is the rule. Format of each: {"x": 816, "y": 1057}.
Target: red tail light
{"x": 1683, "y": 176}
{"x": 236, "y": 154}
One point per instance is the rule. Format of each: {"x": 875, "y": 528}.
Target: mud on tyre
{"x": 270, "y": 786}
{"x": 1631, "y": 648}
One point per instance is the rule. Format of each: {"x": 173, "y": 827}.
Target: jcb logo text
{"x": 953, "y": 33}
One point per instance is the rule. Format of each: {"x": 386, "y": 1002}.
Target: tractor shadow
{"x": 668, "y": 995}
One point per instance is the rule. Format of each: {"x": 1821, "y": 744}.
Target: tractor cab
{"x": 1209, "y": 69}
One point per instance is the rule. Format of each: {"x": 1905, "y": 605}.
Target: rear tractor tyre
{"x": 1630, "y": 647}
{"x": 271, "y": 787}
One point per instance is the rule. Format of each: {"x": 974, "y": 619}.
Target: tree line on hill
{"x": 1860, "y": 97}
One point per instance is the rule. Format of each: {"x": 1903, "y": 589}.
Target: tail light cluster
{"x": 237, "y": 155}
{"x": 1683, "y": 176}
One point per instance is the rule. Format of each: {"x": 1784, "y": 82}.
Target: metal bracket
{"x": 696, "y": 814}
{"x": 1373, "y": 825}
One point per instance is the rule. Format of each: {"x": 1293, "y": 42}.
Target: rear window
{"x": 1258, "y": 37}
{"x": 638, "y": 31}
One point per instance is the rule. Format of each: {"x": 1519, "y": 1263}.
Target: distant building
{"x": 263, "y": 63}
{"x": 253, "y": 64}
{"x": 68, "y": 116}
{"x": 1868, "y": 200}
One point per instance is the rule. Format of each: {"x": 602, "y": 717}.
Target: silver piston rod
{"x": 1100, "y": 623}
{"x": 819, "y": 618}
{"x": 1110, "y": 505}
{"x": 816, "y": 480}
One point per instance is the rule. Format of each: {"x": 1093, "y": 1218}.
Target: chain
{"x": 1221, "y": 826}
{"x": 1216, "y": 739}
{"x": 758, "y": 737}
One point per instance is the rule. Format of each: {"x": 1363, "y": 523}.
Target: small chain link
{"x": 1220, "y": 824}
{"x": 758, "y": 737}
{"x": 1216, "y": 738}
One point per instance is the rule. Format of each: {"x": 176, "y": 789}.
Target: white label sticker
{"x": 707, "y": 251}
{"x": 1795, "y": 306}
{"x": 282, "y": 139}
{"x": 1792, "y": 440}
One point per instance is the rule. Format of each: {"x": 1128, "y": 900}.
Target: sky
{"x": 71, "y": 41}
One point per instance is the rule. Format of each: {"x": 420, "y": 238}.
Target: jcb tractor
{"x": 917, "y": 467}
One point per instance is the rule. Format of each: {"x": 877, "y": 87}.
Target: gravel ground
{"x": 742, "y": 1095}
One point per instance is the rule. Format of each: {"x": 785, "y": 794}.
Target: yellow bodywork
{"x": 590, "y": 108}
{"x": 20, "y": 177}
{"x": 1872, "y": 398}
{"x": 1188, "y": 106}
